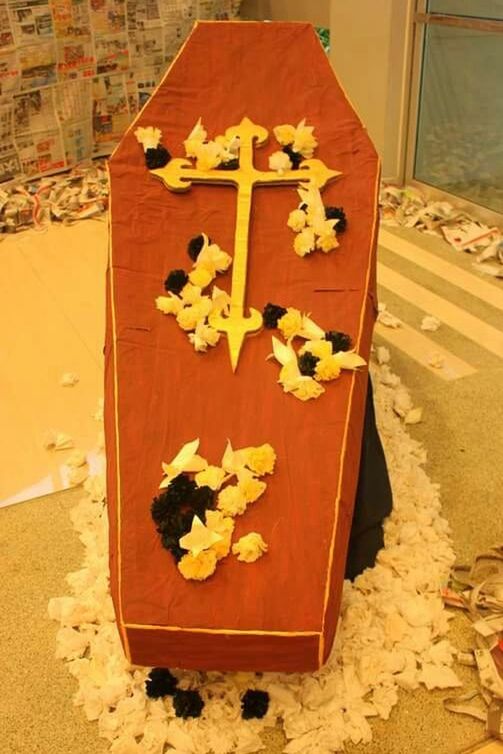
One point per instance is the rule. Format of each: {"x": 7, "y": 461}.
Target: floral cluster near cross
{"x": 195, "y": 511}
{"x": 321, "y": 358}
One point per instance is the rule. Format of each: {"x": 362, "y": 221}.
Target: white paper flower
{"x": 305, "y": 242}
{"x": 148, "y": 137}
{"x": 296, "y": 220}
{"x": 204, "y": 336}
{"x": 196, "y": 137}
{"x": 170, "y": 304}
{"x": 280, "y": 162}
{"x": 249, "y": 548}
{"x": 185, "y": 460}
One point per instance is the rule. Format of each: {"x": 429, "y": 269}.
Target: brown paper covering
{"x": 281, "y": 612}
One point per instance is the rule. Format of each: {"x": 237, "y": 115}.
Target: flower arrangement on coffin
{"x": 221, "y": 153}
{"x": 186, "y": 300}
{"x": 195, "y": 511}
{"x": 321, "y": 358}
{"x": 316, "y": 226}
{"x": 297, "y": 142}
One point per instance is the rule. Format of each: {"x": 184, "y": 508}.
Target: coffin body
{"x": 281, "y": 612}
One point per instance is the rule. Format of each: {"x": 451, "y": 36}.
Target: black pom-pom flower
{"x": 195, "y": 245}
{"x": 340, "y": 340}
{"x": 254, "y": 704}
{"x": 295, "y": 157}
{"x": 161, "y": 507}
{"x": 176, "y": 280}
{"x": 307, "y": 364}
{"x": 201, "y": 499}
{"x": 230, "y": 164}
{"x": 157, "y": 157}
{"x": 180, "y": 490}
{"x": 187, "y": 703}
{"x": 272, "y": 314}
{"x": 337, "y": 213}
{"x": 160, "y": 682}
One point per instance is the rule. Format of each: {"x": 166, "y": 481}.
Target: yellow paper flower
{"x": 223, "y": 525}
{"x": 230, "y": 147}
{"x": 196, "y": 137}
{"x": 327, "y": 368}
{"x": 307, "y": 388}
{"x": 190, "y": 293}
{"x": 296, "y": 220}
{"x": 204, "y": 336}
{"x": 211, "y": 476}
{"x": 290, "y": 323}
{"x": 319, "y": 348}
{"x": 208, "y": 156}
{"x": 168, "y": 304}
{"x": 261, "y": 459}
{"x": 284, "y": 134}
{"x": 304, "y": 141}
{"x": 188, "y": 317}
{"x": 280, "y": 162}
{"x": 251, "y": 487}
{"x": 327, "y": 242}
{"x": 198, "y": 567}
{"x": 201, "y": 277}
{"x": 148, "y": 137}
{"x": 249, "y": 548}
{"x": 231, "y": 501}
{"x": 220, "y": 301}
{"x": 213, "y": 258}
{"x": 304, "y": 242}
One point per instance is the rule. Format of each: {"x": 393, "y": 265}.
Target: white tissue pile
{"x": 391, "y": 634}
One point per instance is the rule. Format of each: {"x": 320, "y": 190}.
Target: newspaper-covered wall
{"x": 73, "y": 73}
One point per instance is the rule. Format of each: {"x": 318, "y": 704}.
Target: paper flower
{"x": 305, "y": 242}
{"x": 224, "y": 526}
{"x": 204, "y": 336}
{"x": 189, "y": 317}
{"x": 194, "y": 140}
{"x": 300, "y": 137}
{"x": 280, "y": 162}
{"x": 211, "y": 476}
{"x": 231, "y": 501}
{"x": 176, "y": 281}
{"x": 327, "y": 368}
{"x": 169, "y": 304}
{"x": 318, "y": 348}
{"x": 290, "y": 377}
{"x": 297, "y": 220}
{"x": 195, "y": 245}
{"x": 251, "y": 487}
{"x": 185, "y": 460}
{"x": 201, "y": 277}
{"x": 254, "y": 704}
{"x": 272, "y": 314}
{"x": 198, "y": 567}
{"x": 212, "y": 257}
{"x": 249, "y": 548}
{"x": 290, "y": 323}
{"x": 220, "y": 301}
{"x": 260, "y": 459}
{"x": 232, "y": 460}
{"x": 190, "y": 293}
{"x": 326, "y": 237}
{"x": 208, "y": 156}
{"x": 304, "y": 140}
{"x": 284, "y": 134}
{"x": 148, "y": 137}
{"x": 199, "y": 538}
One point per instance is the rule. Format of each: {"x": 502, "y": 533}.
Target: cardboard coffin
{"x": 281, "y": 612}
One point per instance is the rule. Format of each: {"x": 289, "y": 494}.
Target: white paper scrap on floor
{"x": 391, "y": 635}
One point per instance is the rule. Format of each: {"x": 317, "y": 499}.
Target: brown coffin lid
{"x": 279, "y": 613}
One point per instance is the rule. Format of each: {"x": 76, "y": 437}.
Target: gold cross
{"x": 179, "y": 174}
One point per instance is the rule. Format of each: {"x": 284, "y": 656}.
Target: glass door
{"x": 457, "y": 122}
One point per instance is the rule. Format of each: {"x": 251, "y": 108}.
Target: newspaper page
{"x": 73, "y": 73}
